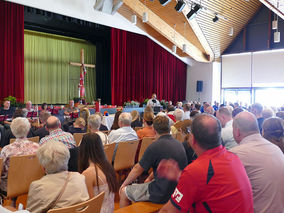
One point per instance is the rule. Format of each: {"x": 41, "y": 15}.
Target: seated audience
{"x": 85, "y": 113}
{"x": 125, "y": 132}
{"x": 178, "y": 114}
{"x": 148, "y": 130}
{"x": 7, "y": 110}
{"x": 280, "y": 114}
{"x": 153, "y": 101}
{"x": 170, "y": 112}
{"x": 58, "y": 188}
{"x": 267, "y": 113}
{"x": 215, "y": 182}
{"x": 179, "y": 105}
{"x": 186, "y": 130}
{"x": 44, "y": 107}
{"x": 20, "y": 128}
{"x": 226, "y": 120}
{"x": 79, "y": 126}
{"x": 102, "y": 127}
{"x": 209, "y": 110}
{"x": 263, "y": 161}
{"x": 148, "y": 109}
{"x": 157, "y": 190}
{"x": 136, "y": 119}
{"x": 42, "y": 131}
{"x": 57, "y": 134}
{"x": 94, "y": 124}
{"x": 68, "y": 112}
{"x": 115, "y": 121}
{"x": 273, "y": 131}
{"x": 236, "y": 111}
{"x": 99, "y": 173}
{"x": 197, "y": 107}
{"x": 193, "y": 114}
{"x": 257, "y": 109}
{"x": 186, "y": 109}
{"x": 28, "y": 108}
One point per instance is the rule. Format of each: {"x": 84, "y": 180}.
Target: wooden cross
{"x": 83, "y": 72}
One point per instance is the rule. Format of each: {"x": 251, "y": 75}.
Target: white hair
{"x": 125, "y": 118}
{"x": 94, "y": 121}
{"x": 20, "y": 127}
{"x": 53, "y": 156}
{"x": 178, "y": 113}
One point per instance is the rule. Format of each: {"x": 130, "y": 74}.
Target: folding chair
{"x": 78, "y": 137}
{"x": 33, "y": 139}
{"x": 144, "y": 145}
{"x": 109, "y": 150}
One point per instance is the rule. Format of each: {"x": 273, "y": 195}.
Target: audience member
{"x": 225, "y": 118}
{"x": 29, "y": 108}
{"x": 53, "y": 125}
{"x": 209, "y": 110}
{"x": 148, "y": 130}
{"x": 280, "y": 114}
{"x": 99, "y": 173}
{"x": 58, "y": 188}
{"x": 263, "y": 161}
{"x": 186, "y": 109}
{"x": 20, "y": 128}
{"x": 42, "y": 131}
{"x": 179, "y": 105}
{"x": 236, "y": 111}
{"x": 170, "y": 113}
{"x": 70, "y": 109}
{"x": 216, "y": 106}
{"x": 273, "y": 131}
{"x": 136, "y": 119}
{"x": 115, "y": 125}
{"x": 148, "y": 109}
{"x": 178, "y": 114}
{"x": 102, "y": 127}
{"x": 193, "y": 114}
{"x": 94, "y": 124}
{"x": 197, "y": 107}
{"x": 215, "y": 182}
{"x": 44, "y": 107}
{"x": 267, "y": 113}
{"x": 256, "y": 109}
{"x": 153, "y": 101}
{"x": 79, "y": 126}
{"x": 7, "y": 110}
{"x": 157, "y": 190}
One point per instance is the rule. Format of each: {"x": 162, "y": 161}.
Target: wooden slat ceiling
{"x": 237, "y": 12}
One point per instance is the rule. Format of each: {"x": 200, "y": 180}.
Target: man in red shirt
{"x": 215, "y": 182}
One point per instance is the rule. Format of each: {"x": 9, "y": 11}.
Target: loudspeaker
{"x": 199, "y": 86}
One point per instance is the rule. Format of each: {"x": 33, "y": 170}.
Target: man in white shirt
{"x": 226, "y": 120}
{"x": 153, "y": 101}
{"x": 264, "y": 164}
{"x": 186, "y": 109}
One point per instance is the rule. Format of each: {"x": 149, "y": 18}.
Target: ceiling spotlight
{"x": 215, "y": 19}
{"x": 180, "y": 5}
{"x": 276, "y": 37}
{"x": 184, "y": 48}
{"x": 134, "y": 19}
{"x": 145, "y": 17}
{"x": 174, "y": 48}
{"x": 164, "y": 2}
{"x": 192, "y": 13}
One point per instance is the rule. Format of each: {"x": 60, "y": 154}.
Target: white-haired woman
{"x": 20, "y": 128}
{"x": 178, "y": 114}
{"x": 58, "y": 188}
{"x": 94, "y": 123}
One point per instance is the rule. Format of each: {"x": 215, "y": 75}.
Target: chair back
{"x": 1, "y": 167}
{"x": 125, "y": 155}
{"x": 78, "y": 137}
{"x": 22, "y": 171}
{"x": 109, "y": 149}
{"x": 33, "y": 139}
{"x": 92, "y": 205}
{"x": 144, "y": 145}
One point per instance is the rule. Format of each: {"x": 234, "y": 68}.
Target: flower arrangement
{"x": 14, "y": 102}
{"x": 145, "y": 101}
{"x": 164, "y": 103}
{"x": 131, "y": 104}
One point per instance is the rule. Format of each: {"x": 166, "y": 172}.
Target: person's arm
{"x": 89, "y": 179}
{"x": 150, "y": 177}
{"x": 169, "y": 207}
{"x": 135, "y": 172}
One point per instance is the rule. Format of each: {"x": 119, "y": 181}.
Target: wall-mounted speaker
{"x": 199, "y": 86}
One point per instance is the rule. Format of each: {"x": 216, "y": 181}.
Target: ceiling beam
{"x": 273, "y": 8}
{"x": 167, "y": 31}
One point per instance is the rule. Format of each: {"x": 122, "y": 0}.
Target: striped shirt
{"x": 59, "y": 135}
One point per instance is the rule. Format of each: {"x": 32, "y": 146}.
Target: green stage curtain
{"x": 48, "y": 76}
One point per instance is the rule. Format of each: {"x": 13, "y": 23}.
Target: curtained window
{"x": 48, "y": 76}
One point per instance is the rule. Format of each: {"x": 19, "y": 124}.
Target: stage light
{"x": 134, "y": 19}
{"x": 215, "y": 19}
{"x": 192, "y": 13}
{"x": 179, "y": 6}
{"x": 164, "y": 2}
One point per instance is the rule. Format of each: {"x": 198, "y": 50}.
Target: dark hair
{"x": 43, "y": 105}
{"x": 197, "y": 106}
{"x": 115, "y": 122}
{"x": 148, "y": 117}
{"x": 170, "y": 108}
{"x": 237, "y": 111}
{"x": 186, "y": 107}
{"x": 18, "y": 113}
{"x": 194, "y": 113}
{"x": 91, "y": 149}
{"x": 206, "y": 130}
{"x": 161, "y": 125}
{"x": 273, "y": 129}
{"x": 280, "y": 114}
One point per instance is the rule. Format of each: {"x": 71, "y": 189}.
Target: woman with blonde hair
{"x": 136, "y": 119}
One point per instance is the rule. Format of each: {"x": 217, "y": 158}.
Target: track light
{"x": 180, "y": 5}
{"x": 192, "y": 13}
{"x": 215, "y": 19}
{"x": 184, "y": 47}
{"x": 164, "y": 2}
{"x": 134, "y": 19}
{"x": 276, "y": 37}
{"x": 145, "y": 17}
{"x": 174, "y": 48}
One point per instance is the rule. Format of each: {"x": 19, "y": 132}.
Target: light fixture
{"x": 184, "y": 47}
{"x": 215, "y": 19}
{"x": 164, "y": 2}
{"x": 180, "y": 5}
{"x": 276, "y": 37}
{"x": 134, "y": 19}
{"x": 231, "y": 31}
{"x": 192, "y": 13}
{"x": 174, "y": 48}
{"x": 275, "y": 23}
{"x": 145, "y": 17}
{"x": 116, "y": 6}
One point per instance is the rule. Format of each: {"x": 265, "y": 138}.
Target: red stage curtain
{"x": 140, "y": 67}
{"x": 11, "y": 50}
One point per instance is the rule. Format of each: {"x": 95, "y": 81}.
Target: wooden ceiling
{"x": 206, "y": 40}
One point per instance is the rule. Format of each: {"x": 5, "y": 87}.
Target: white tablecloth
{"x": 108, "y": 121}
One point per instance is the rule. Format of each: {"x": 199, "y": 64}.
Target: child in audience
{"x": 99, "y": 174}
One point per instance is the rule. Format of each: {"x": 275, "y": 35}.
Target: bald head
{"x": 244, "y": 124}
{"x": 206, "y": 130}
{"x": 53, "y": 123}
